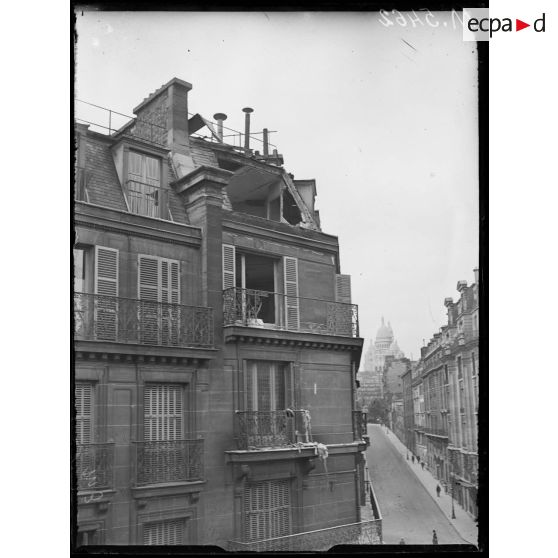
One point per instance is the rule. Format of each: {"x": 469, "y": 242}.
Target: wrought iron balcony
{"x": 360, "y": 425}
{"x": 169, "y": 461}
{"x": 362, "y": 532}
{"x": 142, "y": 322}
{"x": 94, "y": 465}
{"x": 147, "y": 199}
{"x": 271, "y": 429}
{"x": 255, "y": 308}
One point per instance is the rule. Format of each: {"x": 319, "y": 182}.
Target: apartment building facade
{"x": 216, "y": 345}
{"x": 445, "y": 398}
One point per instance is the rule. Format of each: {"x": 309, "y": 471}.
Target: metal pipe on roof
{"x": 247, "y": 111}
{"x": 220, "y": 117}
{"x": 265, "y": 142}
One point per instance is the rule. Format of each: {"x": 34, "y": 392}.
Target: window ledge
{"x": 167, "y": 489}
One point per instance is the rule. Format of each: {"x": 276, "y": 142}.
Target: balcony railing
{"x": 147, "y": 199}
{"x": 435, "y": 431}
{"x": 271, "y": 429}
{"x": 363, "y": 532}
{"x": 94, "y": 465}
{"x": 360, "y": 425}
{"x": 170, "y": 461}
{"x": 265, "y": 309}
{"x": 142, "y": 322}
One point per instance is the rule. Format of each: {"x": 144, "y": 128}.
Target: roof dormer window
{"x": 143, "y": 186}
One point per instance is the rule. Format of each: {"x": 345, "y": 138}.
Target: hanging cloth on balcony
{"x": 306, "y": 422}
{"x": 322, "y": 453}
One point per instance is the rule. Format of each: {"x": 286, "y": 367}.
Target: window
{"x": 168, "y": 532}
{"x": 255, "y": 300}
{"x": 84, "y": 412}
{"x": 459, "y": 368}
{"x": 79, "y": 270}
{"x": 85, "y": 453}
{"x": 159, "y": 295}
{"x": 163, "y": 412}
{"x": 143, "y": 186}
{"x": 268, "y": 386}
{"x": 267, "y": 510}
{"x": 88, "y": 535}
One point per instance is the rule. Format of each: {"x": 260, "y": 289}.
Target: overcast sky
{"x": 383, "y": 117}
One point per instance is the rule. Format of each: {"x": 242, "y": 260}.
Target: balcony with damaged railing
{"x": 283, "y": 428}
{"x": 94, "y": 466}
{"x": 168, "y": 461}
{"x": 271, "y": 310}
{"x": 141, "y": 322}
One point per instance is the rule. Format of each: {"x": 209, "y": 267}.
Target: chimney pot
{"x": 247, "y": 111}
{"x": 220, "y": 117}
{"x": 461, "y": 285}
{"x": 265, "y": 142}
{"x": 476, "y": 272}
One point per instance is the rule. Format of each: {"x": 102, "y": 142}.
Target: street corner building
{"x": 216, "y": 344}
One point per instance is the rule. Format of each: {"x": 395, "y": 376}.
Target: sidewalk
{"x": 463, "y": 522}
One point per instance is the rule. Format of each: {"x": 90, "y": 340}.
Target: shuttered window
{"x": 106, "y": 289}
{"x": 164, "y": 532}
{"x": 267, "y": 510}
{"x": 159, "y": 295}
{"x": 290, "y": 266}
{"x": 84, "y": 412}
{"x": 229, "y": 275}
{"x": 163, "y": 412}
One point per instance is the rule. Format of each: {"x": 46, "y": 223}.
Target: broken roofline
{"x": 245, "y": 161}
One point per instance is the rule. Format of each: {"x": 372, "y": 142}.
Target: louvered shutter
{"x": 106, "y": 289}
{"x": 267, "y": 510}
{"x": 290, "y": 266}
{"x": 170, "y": 532}
{"x": 152, "y": 171}
{"x": 343, "y": 313}
{"x": 343, "y": 288}
{"x": 229, "y": 269}
{"x": 149, "y": 296}
{"x": 170, "y": 298}
{"x": 84, "y": 413}
{"x": 163, "y": 412}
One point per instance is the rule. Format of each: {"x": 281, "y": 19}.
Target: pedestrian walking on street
{"x": 422, "y": 464}
{"x": 438, "y": 490}
{"x": 434, "y": 537}
{"x": 413, "y": 458}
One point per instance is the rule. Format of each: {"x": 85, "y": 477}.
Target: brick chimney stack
{"x": 164, "y": 114}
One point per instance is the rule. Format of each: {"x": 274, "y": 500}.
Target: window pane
{"x": 79, "y": 270}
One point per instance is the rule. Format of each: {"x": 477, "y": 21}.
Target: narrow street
{"x": 408, "y": 510}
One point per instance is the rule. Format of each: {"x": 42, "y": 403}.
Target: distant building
{"x": 444, "y": 386}
{"x": 408, "y": 416}
{"x": 383, "y": 346}
{"x": 371, "y": 377}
